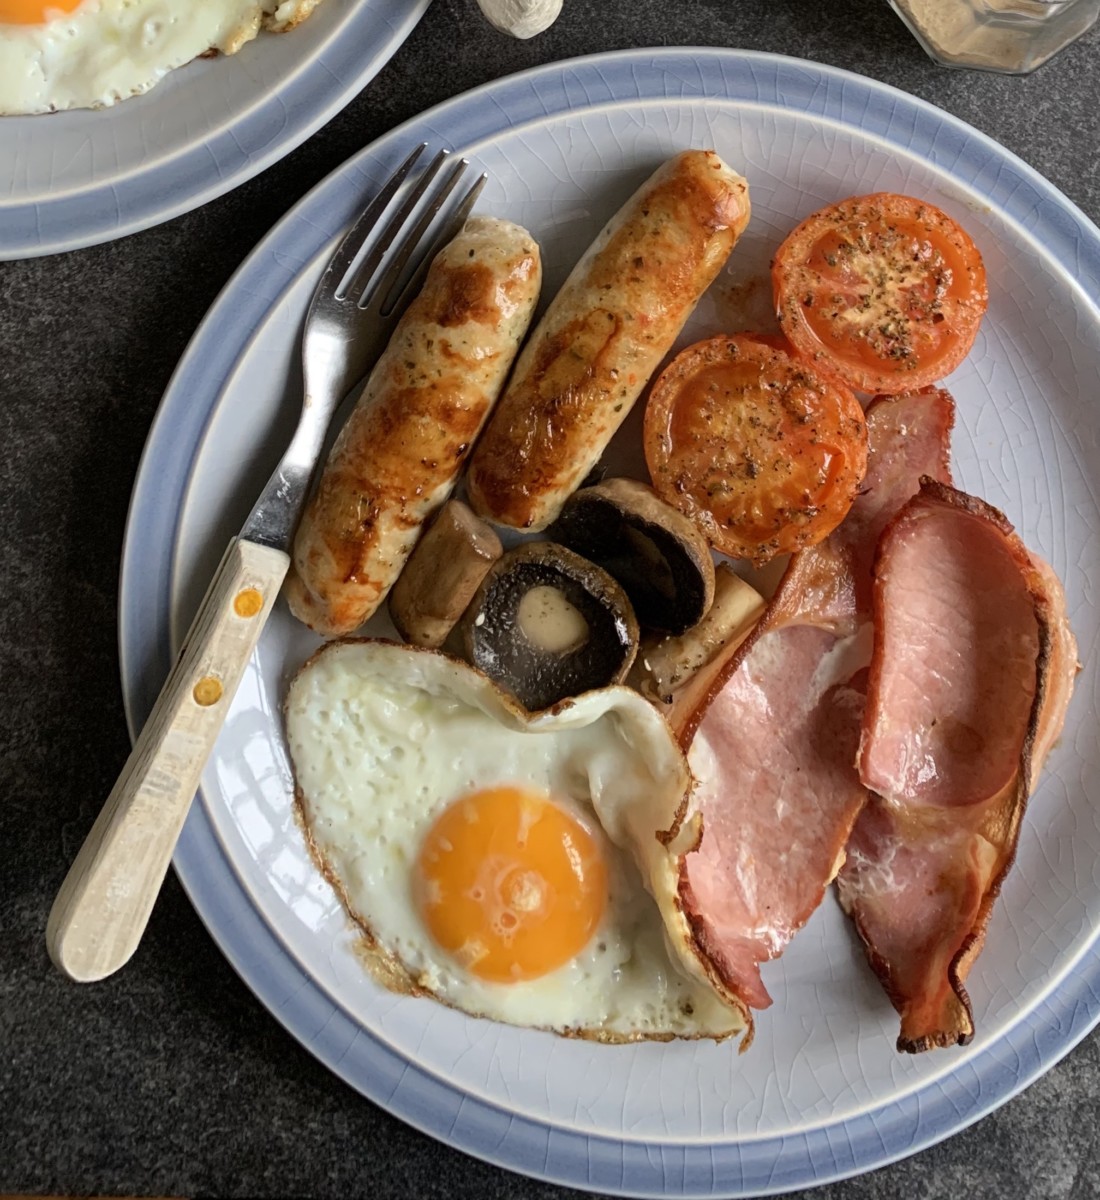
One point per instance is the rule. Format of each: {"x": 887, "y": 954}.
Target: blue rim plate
{"x": 77, "y": 178}
{"x": 1062, "y": 252}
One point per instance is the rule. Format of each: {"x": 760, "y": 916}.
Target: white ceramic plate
{"x": 822, "y": 1092}
{"x": 73, "y": 179}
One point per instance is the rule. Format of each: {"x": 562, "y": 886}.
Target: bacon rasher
{"x": 971, "y": 674}
{"x": 774, "y": 732}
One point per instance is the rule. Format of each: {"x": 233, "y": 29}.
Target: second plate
{"x": 79, "y": 177}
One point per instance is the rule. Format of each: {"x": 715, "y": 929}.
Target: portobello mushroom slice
{"x": 442, "y": 575}
{"x": 547, "y": 624}
{"x": 660, "y": 558}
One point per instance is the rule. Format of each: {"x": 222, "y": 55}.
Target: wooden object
{"x": 104, "y": 904}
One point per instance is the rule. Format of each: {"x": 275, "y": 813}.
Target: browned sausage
{"x": 397, "y": 458}
{"x": 603, "y": 336}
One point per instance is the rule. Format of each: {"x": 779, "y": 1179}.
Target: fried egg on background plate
{"x": 462, "y": 835}
{"x": 58, "y": 54}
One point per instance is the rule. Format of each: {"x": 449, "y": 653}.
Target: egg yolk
{"x": 510, "y": 884}
{"x": 35, "y": 12}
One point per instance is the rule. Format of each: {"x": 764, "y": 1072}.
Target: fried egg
{"x": 58, "y": 54}
{"x": 463, "y": 836}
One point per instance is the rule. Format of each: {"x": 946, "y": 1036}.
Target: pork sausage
{"x": 401, "y": 450}
{"x": 603, "y": 336}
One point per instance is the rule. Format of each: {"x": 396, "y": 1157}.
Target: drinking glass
{"x": 1012, "y": 36}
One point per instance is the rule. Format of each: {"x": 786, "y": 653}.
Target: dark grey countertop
{"x": 170, "y": 1078}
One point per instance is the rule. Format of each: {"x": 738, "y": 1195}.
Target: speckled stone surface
{"x": 171, "y": 1079}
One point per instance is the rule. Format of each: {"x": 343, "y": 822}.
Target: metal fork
{"x": 349, "y": 321}
{"x": 103, "y": 906}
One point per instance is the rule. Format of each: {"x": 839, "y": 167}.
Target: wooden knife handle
{"x": 103, "y": 906}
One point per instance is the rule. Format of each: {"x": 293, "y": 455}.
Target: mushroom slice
{"x": 442, "y": 575}
{"x": 547, "y": 624}
{"x": 658, "y": 555}
{"x": 672, "y": 671}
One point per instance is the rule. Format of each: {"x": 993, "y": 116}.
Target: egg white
{"x": 107, "y": 50}
{"x": 385, "y": 737}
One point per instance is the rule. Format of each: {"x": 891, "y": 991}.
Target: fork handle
{"x": 103, "y": 906}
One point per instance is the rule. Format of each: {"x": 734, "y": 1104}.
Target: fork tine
{"x": 447, "y": 233}
{"x": 377, "y": 294}
{"x": 353, "y": 241}
{"x": 366, "y": 269}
